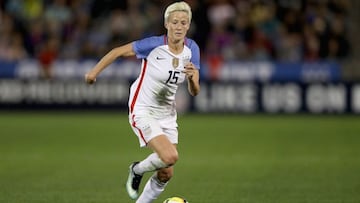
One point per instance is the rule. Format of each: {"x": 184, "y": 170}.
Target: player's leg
{"x": 165, "y": 154}
{"x": 165, "y": 149}
{"x": 155, "y": 185}
{"x": 161, "y": 140}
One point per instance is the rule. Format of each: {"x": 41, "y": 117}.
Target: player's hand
{"x": 190, "y": 70}
{"x": 90, "y": 78}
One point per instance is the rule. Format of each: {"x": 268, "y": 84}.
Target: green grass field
{"x": 69, "y": 157}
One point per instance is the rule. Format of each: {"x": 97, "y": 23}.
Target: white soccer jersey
{"x": 153, "y": 92}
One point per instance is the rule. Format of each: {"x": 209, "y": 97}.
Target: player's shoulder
{"x": 191, "y": 43}
{"x": 144, "y": 46}
{"x": 157, "y": 40}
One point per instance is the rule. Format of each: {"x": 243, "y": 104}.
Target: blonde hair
{"x": 177, "y": 6}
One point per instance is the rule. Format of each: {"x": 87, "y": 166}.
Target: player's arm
{"x": 111, "y": 56}
{"x": 192, "y": 75}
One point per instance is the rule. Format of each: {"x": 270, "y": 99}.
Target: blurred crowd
{"x": 251, "y": 30}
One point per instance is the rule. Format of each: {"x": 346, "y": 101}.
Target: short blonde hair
{"x": 177, "y": 6}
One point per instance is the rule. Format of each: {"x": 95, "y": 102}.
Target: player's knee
{"x": 170, "y": 159}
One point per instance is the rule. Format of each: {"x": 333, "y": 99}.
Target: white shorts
{"x": 147, "y": 127}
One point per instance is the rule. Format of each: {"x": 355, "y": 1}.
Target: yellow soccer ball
{"x": 175, "y": 200}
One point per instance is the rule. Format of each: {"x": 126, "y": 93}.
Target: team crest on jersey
{"x": 175, "y": 62}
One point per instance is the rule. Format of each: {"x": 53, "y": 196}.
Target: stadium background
{"x": 257, "y": 56}
{"x": 276, "y": 121}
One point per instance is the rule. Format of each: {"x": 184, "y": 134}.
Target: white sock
{"x": 152, "y": 190}
{"x": 151, "y": 163}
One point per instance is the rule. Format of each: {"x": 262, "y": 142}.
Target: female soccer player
{"x": 167, "y": 61}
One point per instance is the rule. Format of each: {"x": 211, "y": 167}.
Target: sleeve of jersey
{"x": 143, "y": 47}
{"x": 195, "y": 54}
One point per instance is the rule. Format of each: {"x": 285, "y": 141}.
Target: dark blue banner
{"x": 214, "y": 97}
{"x": 7, "y": 69}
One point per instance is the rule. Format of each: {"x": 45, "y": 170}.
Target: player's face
{"x": 177, "y": 25}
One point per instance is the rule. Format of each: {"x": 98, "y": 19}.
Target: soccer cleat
{"x": 133, "y": 182}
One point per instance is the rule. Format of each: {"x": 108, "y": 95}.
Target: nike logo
{"x": 159, "y": 58}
